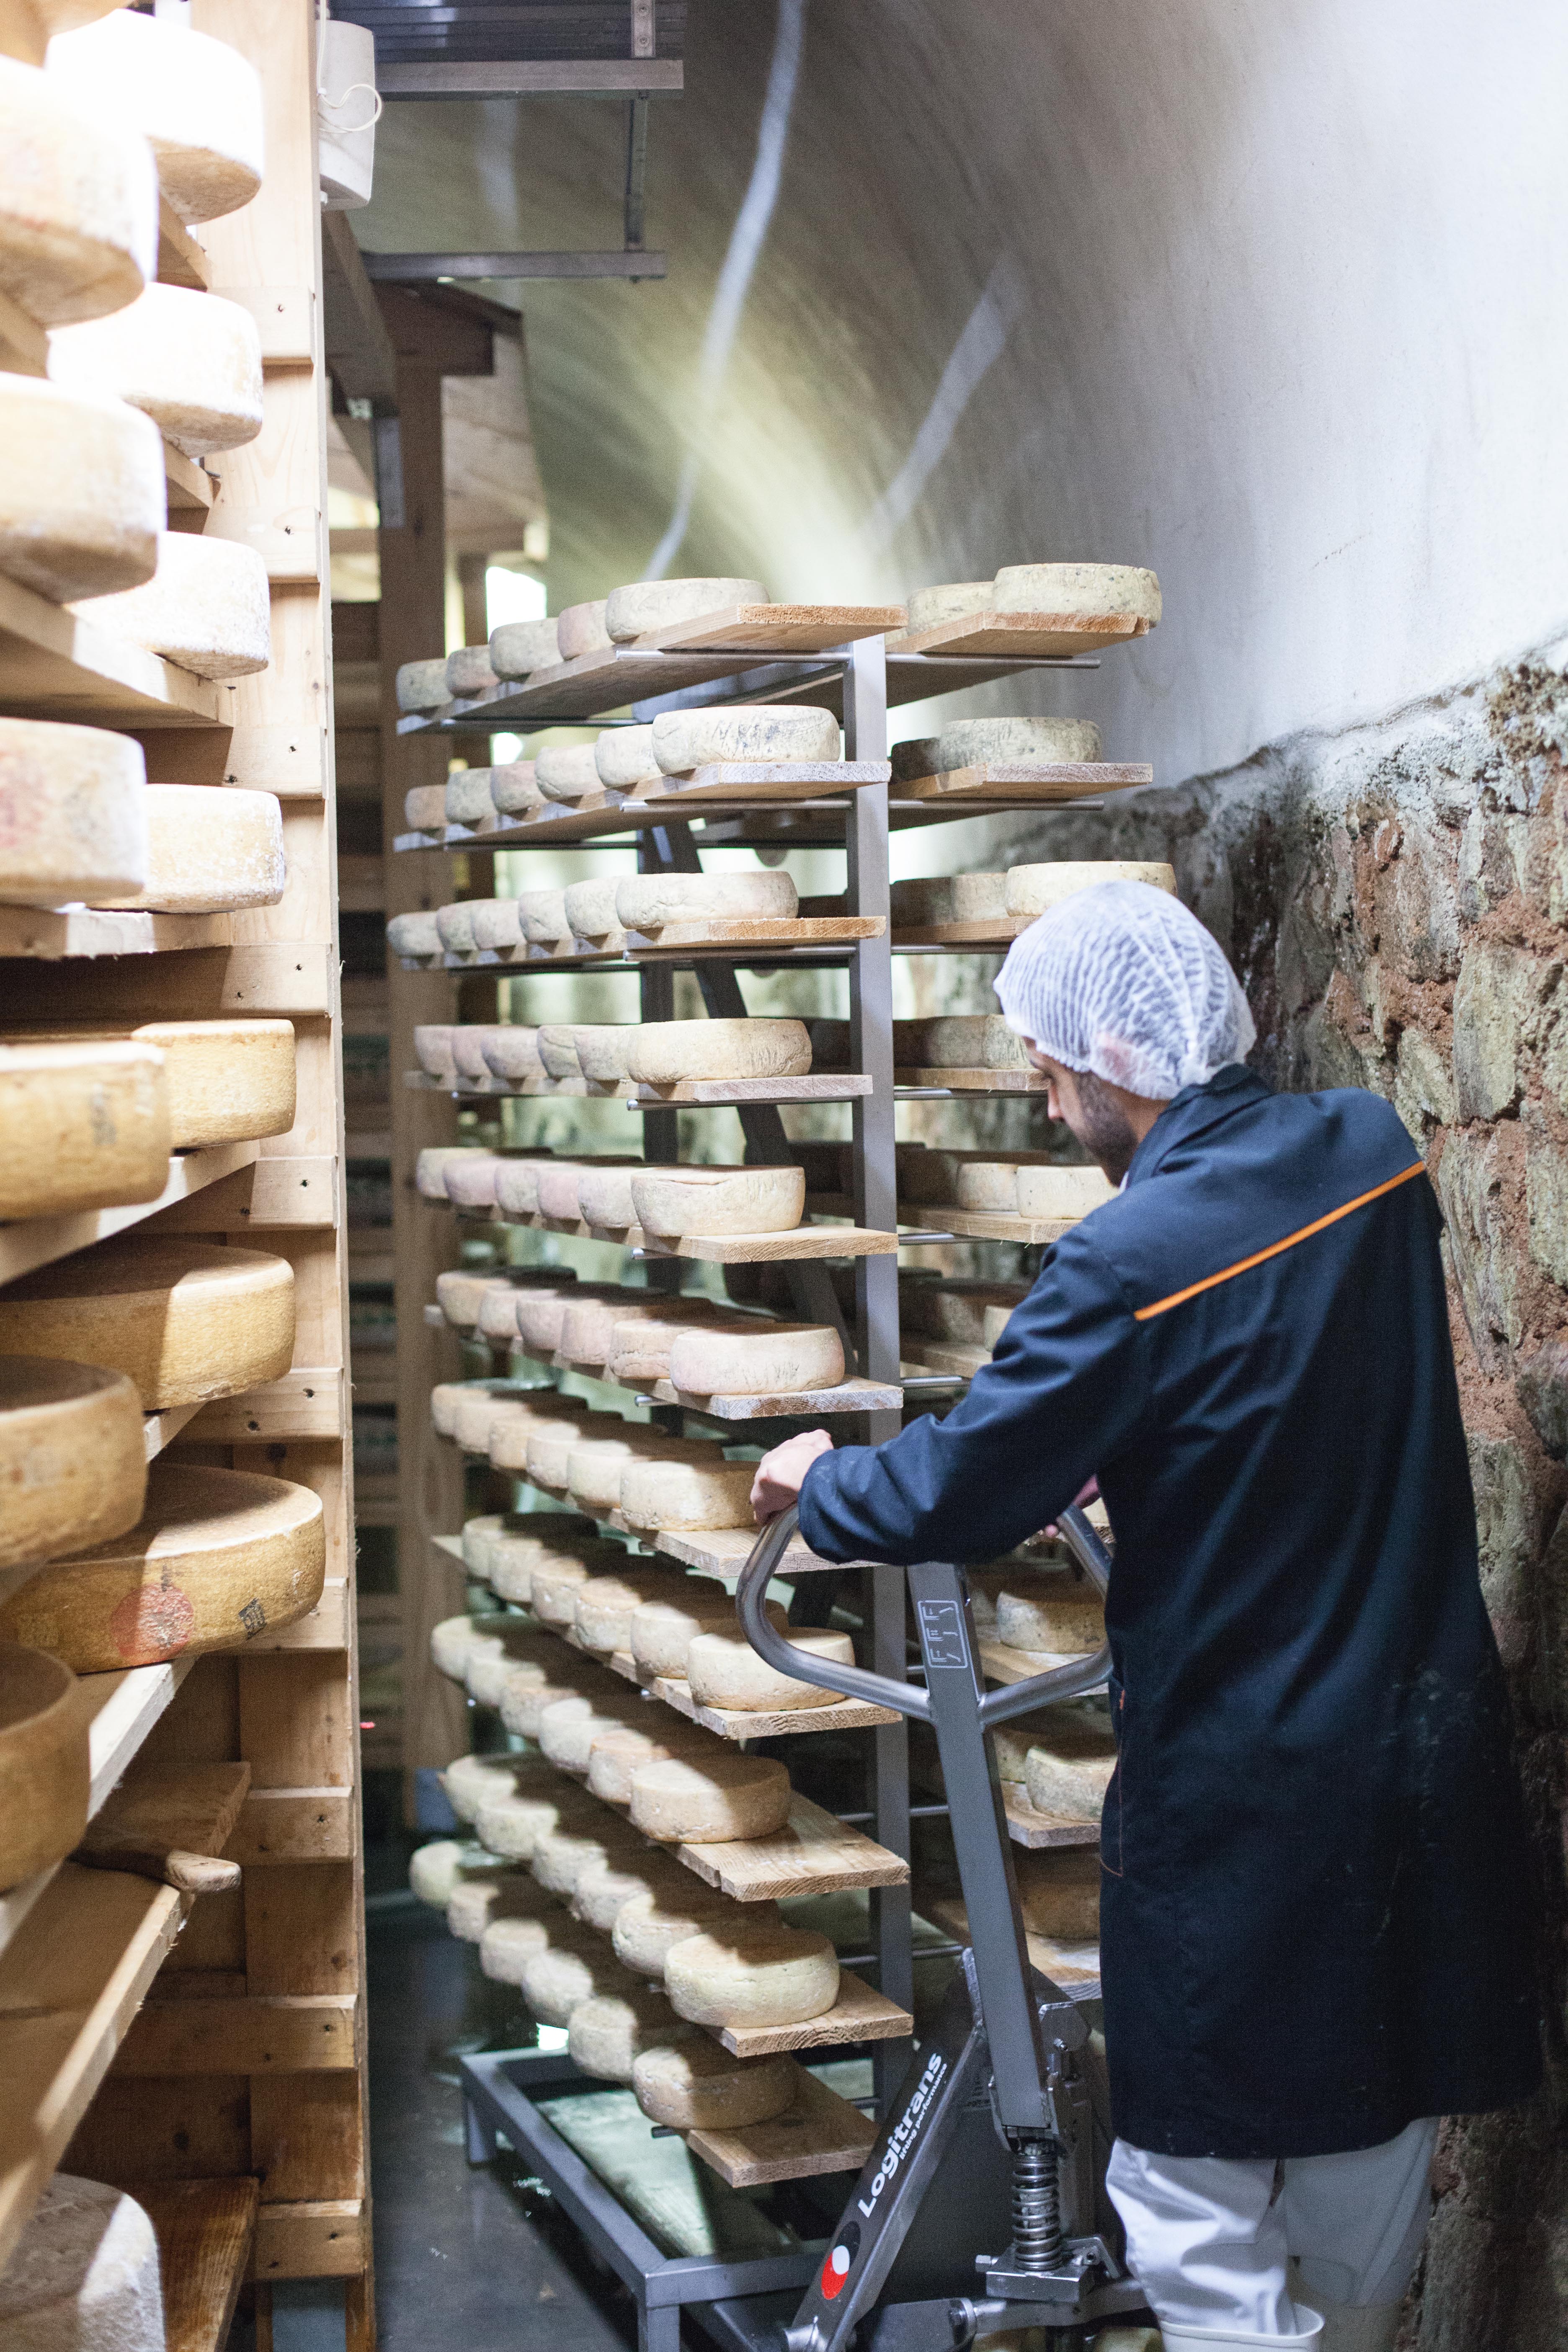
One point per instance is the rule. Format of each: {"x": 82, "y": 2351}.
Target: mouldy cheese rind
{"x": 207, "y": 607}
{"x": 778, "y": 1975}
{"x": 1034, "y": 1617}
{"x": 624, "y": 757}
{"x": 647, "y": 604}
{"x": 673, "y": 1202}
{"x": 217, "y": 1557}
{"x": 1079, "y": 591}
{"x": 494, "y": 923}
{"x": 73, "y": 821}
{"x": 81, "y": 1127}
{"x": 82, "y": 492}
{"x": 1070, "y": 1782}
{"x": 469, "y": 671}
{"x": 580, "y": 629}
{"x": 424, "y": 808}
{"x": 196, "y": 100}
{"x": 519, "y": 647}
{"x": 421, "y": 686}
{"x": 73, "y": 1468}
{"x": 78, "y": 207}
{"x": 455, "y": 926}
{"x": 211, "y": 849}
{"x": 511, "y": 1051}
{"x": 928, "y": 607}
{"x": 1031, "y": 889}
{"x": 696, "y": 2085}
{"x": 543, "y": 915}
{"x": 189, "y": 361}
{"x": 782, "y": 732}
{"x": 645, "y": 902}
{"x": 566, "y": 772}
{"x": 468, "y": 796}
{"x": 958, "y": 1041}
{"x": 667, "y": 1051}
{"x": 971, "y": 742}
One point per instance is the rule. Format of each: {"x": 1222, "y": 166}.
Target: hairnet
{"x": 1121, "y": 979}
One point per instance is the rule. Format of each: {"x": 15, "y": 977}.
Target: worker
{"x": 1317, "y": 1917}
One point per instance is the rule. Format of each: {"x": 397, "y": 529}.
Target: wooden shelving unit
{"x": 138, "y": 2024}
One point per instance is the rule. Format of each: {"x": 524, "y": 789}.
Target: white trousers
{"x": 1209, "y": 2238}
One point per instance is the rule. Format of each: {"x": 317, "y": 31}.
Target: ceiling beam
{"x": 360, "y": 352}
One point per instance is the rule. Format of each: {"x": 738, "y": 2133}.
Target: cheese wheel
{"x": 645, "y": 902}
{"x": 45, "y": 1769}
{"x": 81, "y": 493}
{"x": 950, "y": 899}
{"x": 478, "y": 1412}
{"x": 421, "y": 686}
{"x": 187, "y": 1321}
{"x": 430, "y": 1167}
{"x": 458, "y": 1294}
{"x": 73, "y": 1468}
{"x": 467, "y": 794}
{"x": 586, "y": 1330}
{"x": 618, "y": 1752}
{"x": 605, "y": 1195}
{"x": 465, "y": 1049}
{"x": 543, "y": 916}
{"x": 640, "y": 1344}
{"x": 468, "y": 670}
{"x": 477, "y": 1903}
{"x": 606, "y": 1604}
{"x": 211, "y": 849}
{"x": 495, "y": 1650}
{"x": 957, "y": 1309}
{"x": 511, "y": 1051}
{"x": 471, "y": 1184}
{"x": 972, "y": 742}
{"x": 512, "y": 1824}
{"x": 207, "y": 607}
{"x": 455, "y": 927}
{"x": 551, "y": 1445}
{"x": 195, "y": 101}
{"x": 1060, "y": 1894}
{"x": 928, "y": 607}
{"x": 685, "y": 740}
{"x": 580, "y": 629}
{"x": 702, "y": 1803}
{"x": 604, "y": 1888}
{"x": 593, "y": 1476}
{"x": 512, "y": 1433}
{"x": 512, "y": 1558}
{"x": 624, "y": 757}
{"x": 567, "y": 1730}
{"x": 647, "y": 604}
{"x": 566, "y": 772}
{"x": 542, "y": 1313}
{"x": 79, "y": 207}
{"x": 1079, "y": 591}
{"x": 1068, "y": 1774}
{"x": 81, "y": 1127}
{"x": 189, "y": 361}
{"x": 444, "y": 1399}
{"x": 607, "y": 2034}
{"x": 496, "y": 1322}
{"x": 1062, "y": 1192}
{"x": 558, "y": 1182}
{"x": 562, "y": 1853}
{"x": 519, "y": 647}
{"x": 1070, "y": 1620}
{"x": 472, "y": 1782}
{"x": 602, "y": 1049}
{"x": 962, "y": 1041}
{"x": 696, "y": 2085}
{"x": 476, "y": 1538}
{"x": 223, "y": 1080}
{"x": 217, "y": 1558}
{"x": 564, "y": 1975}
{"x": 434, "y": 1869}
{"x": 1031, "y": 889}
{"x": 507, "y": 1945}
{"x": 752, "y": 1976}
{"x": 662, "y": 1631}
{"x": 991, "y": 1185}
{"x": 591, "y": 912}
{"x": 73, "y": 819}
{"x": 648, "y": 1928}
{"x": 553, "y": 1599}
{"x": 723, "y": 1670}
{"x": 424, "y": 808}
{"x": 493, "y": 925}
{"x": 684, "y": 1494}
{"x": 84, "y": 2274}
{"x": 667, "y": 1051}
{"x": 524, "y": 1701}
{"x": 514, "y": 790}
{"x": 785, "y": 1360}
{"x": 414, "y": 935}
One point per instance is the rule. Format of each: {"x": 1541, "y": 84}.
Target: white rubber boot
{"x": 1210, "y": 2339}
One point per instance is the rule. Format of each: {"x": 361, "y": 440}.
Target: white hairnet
{"x": 1121, "y": 979}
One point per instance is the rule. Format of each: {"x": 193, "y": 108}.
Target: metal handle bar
{"x": 852, "y": 1682}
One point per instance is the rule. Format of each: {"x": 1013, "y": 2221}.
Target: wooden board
{"x": 818, "y": 2133}
{"x": 161, "y": 1429}
{"x": 1023, "y": 635}
{"x": 996, "y": 931}
{"x": 54, "y": 666}
{"x": 736, "y": 1723}
{"x": 742, "y": 931}
{"x": 852, "y": 1395}
{"x": 1025, "y": 1827}
{"x": 779, "y": 628}
{"x": 812, "y": 1855}
{"x": 818, "y": 1086}
{"x": 858, "y": 2014}
{"x": 163, "y": 1808}
{"x": 741, "y": 784}
{"x": 1070, "y": 1964}
{"x": 205, "y": 2230}
{"x": 52, "y": 934}
{"x": 971, "y": 1082}
{"x": 1000, "y": 1664}
{"x": 39, "y": 1241}
{"x": 945, "y": 1355}
{"x": 182, "y": 261}
{"x": 683, "y": 940}
{"x": 985, "y": 1225}
{"x": 762, "y": 1249}
{"x": 1030, "y": 784}
{"x": 724, "y": 1551}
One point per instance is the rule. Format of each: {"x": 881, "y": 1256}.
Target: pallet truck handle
{"x": 849, "y": 1682}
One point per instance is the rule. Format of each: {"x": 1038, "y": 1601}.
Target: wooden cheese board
{"x": 1031, "y": 783}
{"x": 1025, "y": 1827}
{"x": 858, "y": 2014}
{"x": 738, "y": 1722}
{"x": 818, "y": 2133}
{"x": 741, "y": 784}
{"x": 685, "y": 940}
{"x": 1065, "y": 1964}
{"x": 1030, "y": 636}
{"x": 812, "y": 1855}
{"x": 988, "y": 1225}
{"x": 851, "y": 1395}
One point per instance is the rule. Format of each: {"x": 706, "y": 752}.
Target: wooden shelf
{"x": 724, "y": 1551}
{"x": 161, "y": 1429}
{"x": 736, "y": 1723}
{"x": 182, "y": 261}
{"x": 1065, "y": 1964}
{"x": 1025, "y": 636}
{"x": 206, "y": 2234}
{"x": 813, "y": 933}
{"x": 812, "y": 1855}
{"x": 38, "y": 1240}
{"x": 688, "y": 1094}
{"x": 742, "y": 784}
{"x": 972, "y": 1082}
{"x": 1000, "y": 1664}
{"x": 858, "y": 2014}
{"x": 854, "y": 1395}
{"x": 191, "y": 489}
{"x": 765, "y": 1249}
{"x": 818, "y": 2133}
{"x": 1028, "y": 1828}
{"x": 981, "y": 1225}
{"x": 54, "y": 666}
{"x": 53, "y": 934}
{"x": 923, "y": 1355}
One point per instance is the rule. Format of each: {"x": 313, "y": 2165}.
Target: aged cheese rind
{"x": 73, "y": 818}
{"x": 605, "y": 1196}
{"x": 1067, "y": 1775}
{"x": 1031, "y": 889}
{"x": 591, "y": 912}
{"x": 78, "y": 207}
{"x": 471, "y": 1783}
{"x": 645, "y": 902}
{"x": 81, "y": 492}
{"x": 958, "y": 1041}
{"x": 1081, "y": 591}
{"x": 560, "y": 1979}
{"x": 617, "y": 1755}
{"x": 607, "y": 2034}
{"x": 1062, "y": 1192}
{"x": 228, "y": 1080}
{"x": 566, "y": 772}
{"x": 468, "y": 670}
{"x": 434, "y": 1869}
{"x": 776, "y": 1976}
{"x": 196, "y": 100}
{"x": 519, "y": 647}
{"x": 580, "y": 629}
{"x": 667, "y": 1051}
{"x": 513, "y": 788}
{"x": 670, "y": 1201}
{"x": 782, "y": 732}
{"x": 73, "y": 1468}
{"x": 696, "y": 2085}
{"x": 207, "y": 607}
{"x": 185, "y": 1320}
{"x": 217, "y": 1558}
{"x": 467, "y": 798}
{"x": 928, "y": 607}
{"x": 508, "y": 1944}
{"x": 510, "y": 1051}
{"x": 648, "y": 1928}
{"x": 624, "y": 757}
{"x": 1035, "y": 1617}
{"x": 723, "y": 1670}
{"x": 421, "y": 686}
{"x": 424, "y": 808}
{"x": 645, "y": 606}
{"x": 414, "y": 934}
{"x": 949, "y": 898}
{"x": 686, "y": 1495}
{"x": 477, "y": 1903}
{"x": 662, "y": 1631}
{"x": 604, "y": 1888}
{"x": 189, "y": 361}
{"x": 562, "y": 1853}
{"x": 455, "y": 927}
{"x": 511, "y": 1822}
{"x": 779, "y": 1361}
{"x": 543, "y": 915}
{"x": 81, "y": 1127}
{"x": 702, "y": 1802}
{"x": 568, "y": 1730}
{"x": 212, "y": 849}
{"x": 971, "y": 742}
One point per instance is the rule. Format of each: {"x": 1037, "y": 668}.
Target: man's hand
{"x": 780, "y": 1474}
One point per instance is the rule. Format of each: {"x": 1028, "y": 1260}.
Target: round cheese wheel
{"x": 1069, "y": 1774}
{"x": 648, "y": 1928}
{"x": 551, "y": 1446}
{"x": 424, "y": 808}
{"x": 607, "y": 2034}
{"x": 189, "y": 361}
{"x": 212, "y": 849}
{"x": 542, "y": 1313}
{"x": 1060, "y": 1894}
{"x": 81, "y": 1127}
{"x": 543, "y": 915}
{"x": 513, "y": 1559}
{"x": 949, "y": 898}
{"x": 73, "y": 1468}
{"x": 513, "y": 1432}
{"x": 624, "y": 757}
{"x": 561, "y": 1854}
{"x": 187, "y": 1320}
{"x": 497, "y": 1317}
{"x": 84, "y": 2273}
{"x": 591, "y": 912}
{"x": 206, "y": 608}
{"x": 605, "y": 1196}
{"x": 81, "y": 493}
{"x": 1031, "y": 889}
{"x": 519, "y": 647}
{"x": 594, "y": 1482}
{"x": 44, "y": 1768}
{"x": 580, "y": 629}
{"x": 677, "y": 1493}
{"x": 567, "y": 1730}
{"x": 472, "y": 1782}
{"x": 684, "y": 740}
{"x": 511, "y": 1052}
{"x": 477, "y": 1903}
{"x": 606, "y": 1604}
{"x": 465, "y": 1049}
{"x": 648, "y": 605}
{"x": 514, "y": 790}
{"x": 566, "y": 772}
{"x": 696, "y": 2084}
{"x": 475, "y": 1416}
{"x": 434, "y": 1869}
{"x": 79, "y": 207}
{"x": 508, "y": 1945}
{"x": 493, "y": 924}
{"x": 530, "y": 1531}
{"x": 1050, "y": 1612}
{"x": 458, "y": 1294}
{"x": 602, "y": 1049}
{"x": 959, "y": 1041}
{"x": 517, "y": 1188}
{"x": 495, "y": 1650}
{"x": 525, "y": 1702}
{"x": 564, "y": 1975}
{"x": 604, "y": 1888}
{"x": 1062, "y": 1192}
{"x": 444, "y": 1401}
{"x": 928, "y": 607}
{"x": 972, "y": 742}
{"x": 467, "y": 794}
{"x": 662, "y": 1631}
{"x": 752, "y": 1976}
{"x": 645, "y": 902}
{"x": 667, "y": 1051}
{"x": 615, "y": 1754}
{"x": 996, "y": 1321}
{"x": 723, "y": 1670}
{"x": 670, "y": 1201}
{"x": 471, "y": 1182}
{"x": 468, "y": 670}
{"x": 414, "y": 935}
{"x": 217, "y": 1556}
{"x": 1079, "y": 591}
{"x": 513, "y": 1824}
{"x": 989, "y": 1184}
{"x": 227, "y": 1080}
{"x": 586, "y": 1330}
{"x": 640, "y": 1343}
{"x": 682, "y": 1800}
{"x": 557, "y": 1042}
{"x": 558, "y": 1182}
{"x": 73, "y": 818}
{"x": 421, "y": 686}
{"x": 455, "y": 927}
{"x": 195, "y": 101}
{"x": 430, "y": 1167}
{"x": 769, "y": 1362}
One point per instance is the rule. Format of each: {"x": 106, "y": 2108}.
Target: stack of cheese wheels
{"x": 84, "y": 2272}
{"x": 44, "y": 1768}
{"x": 756, "y": 1975}
{"x": 1068, "y": 1770}
{"x": 1053, "y": 1612}
{"x": 79, "y": 210}
{"x": 189, "y": 361}
{"x": 763, "y": 733}
{"x": 81, "y": 1127}
{"x": 778, "y": 1360}
{"x": 664, "y": 1052}
{"x": 709, "y": 1800}
{"x": 212, "y": 849}
{"x": 724, "y": 1671}
{"x": 580, "y": 630}
{"x": 1010, "y": 742}
{"x": 1032, "y": 889}
{"x": 687, "y": 1485}
{"x": 187, "y": 1320}
{"x": 217, "y": 1557}
{"x": 73, "y": 1468}
{"x": 1002, "y": 1187}
{"x": 195, "y": 101}
{"x": 519, "y": 647}
{"x": 81, "y": 492}
{"x": 646, "y": 606}
{"x": 224, "y": 1081}
{"x": 671, "y": 1202}
{"x": 205, "y": 606}
{"x": 1060, "y": 1894}
{"x": 645, "y": 903}
{"x": 73, "y": 811}
{"x": 695, "y": 2085}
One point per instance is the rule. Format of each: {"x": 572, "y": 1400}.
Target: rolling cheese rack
{"x": 195, "y": 2048}
{"x": 858, "y": 679}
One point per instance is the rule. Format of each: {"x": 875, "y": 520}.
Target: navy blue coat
{"x": 1316, "y": 1914}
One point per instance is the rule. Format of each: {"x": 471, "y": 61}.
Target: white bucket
{"x": 348, "y": 107}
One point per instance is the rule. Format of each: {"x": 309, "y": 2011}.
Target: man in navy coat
{"x": 1315, "y": 1920}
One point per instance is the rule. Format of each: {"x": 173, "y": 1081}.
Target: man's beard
{"x": 1103, "y": 1128}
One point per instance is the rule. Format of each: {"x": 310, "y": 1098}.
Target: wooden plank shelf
{"x": 972, "y": 1082}
{"x": 818, "y": 2133}
{"x": 943, "y": 1356}
{"x": 1024, "y": 635}
{"x": 812, "y": 1855}
{"x": 687, "y": 1094}
{"x": 191, "y": 490}
{"x": 1026, "y": 784}
{"x": 182, "y": 260}
{"x": 54, "y": 666}
{"x": 724, "y": 1551}
{"x": 736, "y": 1723}
{"x": 763, "y": 1249}
{"x": 1025, "y": 1827}
{"x": 1000, "y": 1664}
{"x": 816, "y": 933}
{"x": 38, "y": 1240}
{"x": 983, "y": 1226}
{"x": 161, "y": 1429}
{"x": 743, "y": 783}
{"x": 51, "y": 934}
{"x": 206, "y": 2234}
{"x": 858, "y": 2014}
{"x": 854, "y": 1395}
